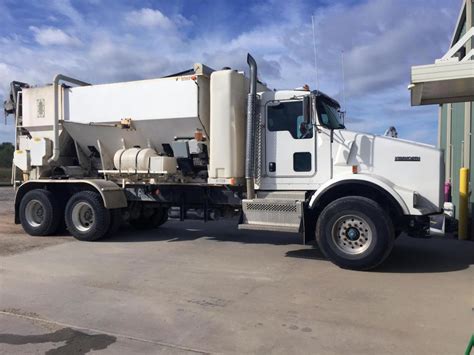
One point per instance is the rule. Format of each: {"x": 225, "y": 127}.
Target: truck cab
{"x": 307, "y": 147}
{"x": 353, "y": 192}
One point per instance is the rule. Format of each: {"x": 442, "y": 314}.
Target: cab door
{"x": 290, "y": 142}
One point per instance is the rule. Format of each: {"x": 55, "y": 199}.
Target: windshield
{"x": 329, "y": 115}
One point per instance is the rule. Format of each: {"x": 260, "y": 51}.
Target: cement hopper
{"x": 148, "y": 113}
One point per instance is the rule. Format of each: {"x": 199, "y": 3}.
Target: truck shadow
{"x": 175, "y": 231}
{"x": 414, "y": 256}
{"x": 409, "y": 255}
{"x": 434, "y": 255}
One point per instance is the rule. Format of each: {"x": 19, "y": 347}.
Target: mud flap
{"x": 308, "y": 225}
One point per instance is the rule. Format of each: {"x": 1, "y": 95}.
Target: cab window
{"x": 288, "y": 116}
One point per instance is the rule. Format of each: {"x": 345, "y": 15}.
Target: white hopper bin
{"x": 159, "y": 109}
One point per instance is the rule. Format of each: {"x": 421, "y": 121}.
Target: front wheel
{"x": 355, "y": 233}
{"x": 86, "y": 217}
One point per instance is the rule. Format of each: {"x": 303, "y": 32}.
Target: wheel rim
{"x": 34, "y": 213}
{"x": 352, "y": 234}
{"x": 83, "y": 216}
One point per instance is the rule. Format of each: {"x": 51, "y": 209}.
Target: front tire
{"x": 355, "y": 233}
{"x": 40, "y": 213}
{"x": 86, "y": 217}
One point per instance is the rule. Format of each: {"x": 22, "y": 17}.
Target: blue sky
{"x": 106, "y": 41}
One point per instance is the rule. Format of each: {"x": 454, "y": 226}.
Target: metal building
{"x": 449, "y": 82}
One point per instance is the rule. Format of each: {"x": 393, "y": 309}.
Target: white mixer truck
{"x": 91, "y": 157}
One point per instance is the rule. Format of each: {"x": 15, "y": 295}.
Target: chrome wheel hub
{"x": 352, "y": 234}
{"x": 34, "y": 213}
{"x": 83, "y": 216}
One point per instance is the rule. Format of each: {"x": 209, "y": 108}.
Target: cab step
{"x": 272, "y": 214}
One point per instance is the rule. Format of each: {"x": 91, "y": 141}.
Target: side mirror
{"x": 342, "y": 117}
{"x": 307, "y": 109}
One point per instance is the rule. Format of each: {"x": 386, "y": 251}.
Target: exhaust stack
{"x": 250, "y": 136}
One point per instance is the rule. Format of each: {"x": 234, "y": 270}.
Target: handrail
{"x": 57, "y": 79}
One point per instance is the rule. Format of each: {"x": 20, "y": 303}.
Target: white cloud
{"x": 47, "y": 36}
{"x": 5, "y": 72}
{"x": 65, "y": 8}
{"x": 182, "y": 21}
{"x": 149, "y": 18}
{"x": 381, "y": 39}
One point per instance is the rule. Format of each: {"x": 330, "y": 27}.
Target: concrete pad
{"x": 29, "y": 335}
{"x": 190, "y": 286}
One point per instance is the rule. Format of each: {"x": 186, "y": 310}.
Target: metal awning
{"x": 449, "y": 80}
{"x": 444, "y": 82}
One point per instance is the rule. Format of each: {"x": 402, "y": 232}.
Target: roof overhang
{"x": 451, "y": 78}
{"x": 445, "y": 82}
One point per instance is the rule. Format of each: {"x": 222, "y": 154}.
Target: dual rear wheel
{"x": 84, "y": 215}
{"x": 40, "y": 213}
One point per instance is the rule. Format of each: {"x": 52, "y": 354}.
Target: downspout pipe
{"x": 60, "y": 77}
{"x": 250, "y": 134}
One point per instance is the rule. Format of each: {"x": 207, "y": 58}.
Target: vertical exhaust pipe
{"x": 250, "y": 137}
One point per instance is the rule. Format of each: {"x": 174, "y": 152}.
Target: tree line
{"x": 6, "y": 154}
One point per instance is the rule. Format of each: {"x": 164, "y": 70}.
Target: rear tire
{"x": 156, "y": 219}
{"x": 164, "y": 217}
{"x": 40, "y": 213}
{"x": 398, "y": 233}
{"x": 116, "y": 221}
{"x": 355, "y": 233}
{"x": 86, "y": 217}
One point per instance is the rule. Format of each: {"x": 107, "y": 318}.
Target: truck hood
{"x": 409, "y": 167}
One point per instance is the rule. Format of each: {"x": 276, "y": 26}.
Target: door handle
{"x": 272, "y": 167}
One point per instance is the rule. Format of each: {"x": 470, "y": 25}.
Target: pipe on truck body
{"x": 250, "y": 134}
